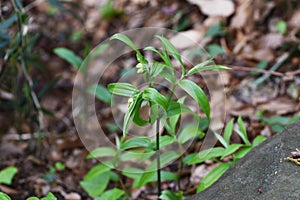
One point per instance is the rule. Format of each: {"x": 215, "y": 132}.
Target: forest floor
{"x": 259, "y": 40}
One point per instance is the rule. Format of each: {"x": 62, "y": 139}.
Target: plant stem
{"x": 158, "y": 160}
{"x": 180, "y": 166}
{"x": 29, "y": 80}
{"x": 124, "y": 188}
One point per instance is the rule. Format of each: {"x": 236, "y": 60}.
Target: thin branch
{"x": 263, "y": 71}
{"x": 279, "y": 62}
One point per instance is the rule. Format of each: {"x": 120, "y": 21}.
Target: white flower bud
{"x": 130, "y": 101}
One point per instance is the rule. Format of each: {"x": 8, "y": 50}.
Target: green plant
{"x": 50, "y": 175}
{"x": 77, "y": 62}
{"x": 216, "y": 30}
{"x": 15, "y": 78}
{"x": 49, "y": 196}
{"x": 7, "y": 175}
{"x": 162, "y": 109}
{"x": 235, "y": 151}
{"x": 109, "y": 12}
{"x": 215, "y": 49}
{"x": 20, "y": 58}
{"x": 281, "y": 27}
{"x": 276, "y": 123}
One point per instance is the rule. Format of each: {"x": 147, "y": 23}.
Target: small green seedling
{"x": 50, "y": 175}
{"x": 281, "y": 27}
{"x": 236, "y": 151}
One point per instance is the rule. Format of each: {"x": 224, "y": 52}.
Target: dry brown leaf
{"x": 198, "y": 174}
{"x": 266, "y": 132}
{"x": 295, "y": 20}
{"x": 279, "y": 106}
{"x": 72, "y": 196}
{"x": 259, "y": 55}
{"x": 247, "y": 111}
{"x": 223, "y": 8}
{"x": 187, "y": 39}
{"x": 8, "y": 190}
{"x": 243, "y": 15}
{"x": 271, "y": 40}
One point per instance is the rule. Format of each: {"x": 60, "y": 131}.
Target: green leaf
{"x": 55, "y": 3}
{"x": 100, "y": 92}
{"x": 4, "y": 196}
{"x": 19, "y": 4}
{"x": 148, "y": 177}
{"x": 210, "y": 153}
{"x": 7, "y": 175}
{"x": 136, "y": 118}
{"x": 69, "y": 56}
{"x": 258, "y": 139}
{"x": 30, "y": 198}
{"x": 8, "y": 22}
{"x": 132, "y": 172}
{"x": 133, "y": 110}
{"x": 96, "y": 171}
{"x": 154, "y": 113}
{"x": 196, "y": 93}
{"x": 109, "y": 12}
{"x": 174, "y": 119}
{"x": 216, "y": 30}
{"x": 127, "y": 41}
{"x": 174, "y": 108}
{"x": 241, "y": 153}
{"x": 207, "y": 154}
{"x": 170, "y": 48}
{"x": 221, "y": 139}
{"x": 169, "y": 195}
{"x": 208, "y": 68}
{"x": 165, "y": 158}
{"x": 231, "y": 149}
{"x": 145, "y": 178}
{"x": 228, "y": 131}
{"x": 150, "y": 48}
{"x": 165, "y": 58}
{"x": 168, "y": 75}
{"x": 96, "y": 185}
{"x": 213, "y": 176}
{"x": 281, "y": 27}
{"x": 190, "y": 131}
{"x": 113, "y": 194}
{"x": 136, "y": 142}
{"x": 102, "y": 152}
{"x": 4, "y": 39}
{"x": 136, "y": 155}
{"x": 164, "y": 140}
{"x": 49, "y": 196}
{"x": 242, "y": 131}
{"x": 97, "y": 51}
{"x": 215, "y": 49}
{"x": 156, "y": 68}
{"x": 124, "y": 39}
{"x": 123, "y": 89}
{"x": 60, "y": 166}
{"x": 198, "y": 67}
{"x": 152, "y": 95}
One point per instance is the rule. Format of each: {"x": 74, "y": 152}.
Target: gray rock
{"x": 262, "y": 170}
